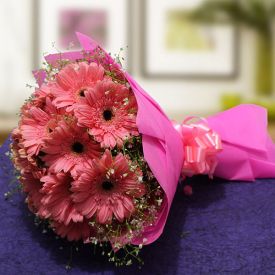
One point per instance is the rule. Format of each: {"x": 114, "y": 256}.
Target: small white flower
{"x": 112, "y": 171}
{"x": 117, "y": 245}
{"x": 159, "y": 202}
{"x": 92, "y": 223}
{"x": 129, "y": 262}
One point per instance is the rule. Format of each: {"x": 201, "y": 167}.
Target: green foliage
{"x": 230, "y": 100}
{"x": 269, "y": 105}
{"x": 264, "y": 69}
{"x": 256, "y": 14}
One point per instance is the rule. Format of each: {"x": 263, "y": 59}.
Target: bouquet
{"x": 100, "y": 161}
{"x": 97, "y": 157}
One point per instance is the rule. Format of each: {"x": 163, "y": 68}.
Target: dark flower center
{"x": 41, "y": 154}
{"x": 39, "y": 162}
{"x": 69, "y": 186}
{"x": 82, "y": 92}
{"x": 107, "y": 114}
{"x": 107, "y": 185}
{"x": 77, "y": 147}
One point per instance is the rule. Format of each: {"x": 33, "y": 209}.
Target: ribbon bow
{"x": 201, "y": 145}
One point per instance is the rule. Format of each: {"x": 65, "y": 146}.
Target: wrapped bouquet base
{"x": 233, "y": 145}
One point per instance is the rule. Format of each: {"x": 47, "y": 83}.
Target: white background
{"x": 177, "y": 97}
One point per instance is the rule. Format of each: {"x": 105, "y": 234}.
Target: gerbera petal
{"x": 104, "y": 214}
{"x": 119, "y": 210}
{"x": 87, "y": 208}
{"x": 65, "y": 77}
{"x": 57, "y": 199}
{"x": 128, "y": 204}
{"x": 95, "y": 72}
{"x": 74, "y": 231}
{"x": 109, "y": 140}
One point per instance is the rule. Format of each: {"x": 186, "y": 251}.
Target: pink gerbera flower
{"x": 73, "y": 231}
{"x": 32, "y": 187}
{"x": 106, "y": 188}
{"x": 41, "y": 94}
{"x": 69, "y": 145}
{"x": 22, "y": 161}
{"x": 37, "y": 125}
{"x": 38, "y": 99}
{"x": 73, "y": 81}
{"x": 57, "y": 199}
{"x": 20, "y": 157}
{"x": 109, "y": 111}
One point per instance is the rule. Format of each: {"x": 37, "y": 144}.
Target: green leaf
{"x": 257, "y": 14}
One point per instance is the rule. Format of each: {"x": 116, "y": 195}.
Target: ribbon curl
{"x": 201, "y": 145}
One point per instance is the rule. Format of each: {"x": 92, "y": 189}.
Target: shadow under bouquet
{"x": 100, "y": 162}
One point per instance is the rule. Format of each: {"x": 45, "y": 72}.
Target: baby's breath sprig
{"x": 126, "y": 256}
{"x": 118, "y": 57}
{"x": 97, "y": 55}
{"x": 29, "y": 99}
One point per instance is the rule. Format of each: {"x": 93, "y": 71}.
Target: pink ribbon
{"x": 201, "y": 146}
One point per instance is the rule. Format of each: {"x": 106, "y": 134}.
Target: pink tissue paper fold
{"x": 248, "y": 151}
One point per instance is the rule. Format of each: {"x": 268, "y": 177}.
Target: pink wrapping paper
{"x": 248, "y": 151}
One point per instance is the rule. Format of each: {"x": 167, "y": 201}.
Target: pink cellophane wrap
{"x": 162, "y": 145}
{"x": 248, "y": 151}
